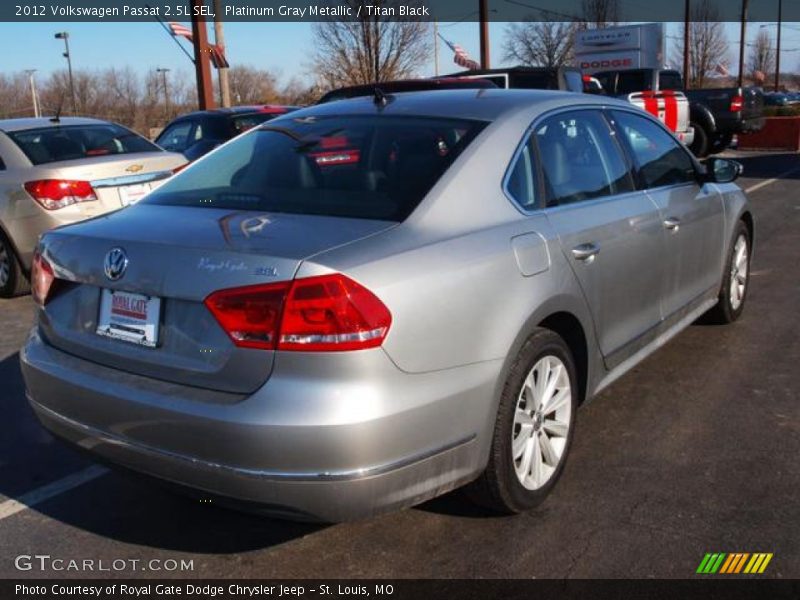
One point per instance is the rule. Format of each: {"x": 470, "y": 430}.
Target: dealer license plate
{"x": 129, "y": 317}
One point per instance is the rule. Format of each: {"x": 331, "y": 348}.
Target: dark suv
{"x": 197, "y": 133}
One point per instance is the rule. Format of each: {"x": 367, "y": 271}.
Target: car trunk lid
{"x": 181, "y": 255}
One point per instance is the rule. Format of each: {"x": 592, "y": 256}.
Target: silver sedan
{"x": 56, "y": 171}
{"x": 367, "y": 303}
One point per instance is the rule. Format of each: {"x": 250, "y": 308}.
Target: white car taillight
{"x": 53, "y": 194}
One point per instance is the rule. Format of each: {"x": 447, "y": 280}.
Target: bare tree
{"x": 708, "y": 45}
{"x": 540, "y": 42}
{"x": 601, "y": 13}
{"x": 371, "y": 49}
{"x": 762, "y": 57}
{"x": 252, "y": 86}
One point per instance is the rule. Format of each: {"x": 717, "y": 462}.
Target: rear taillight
{"x": 53, "y": 194}
{"x": 250, "y": 315}
{"x": 314, "y": 314}
{"x": 42, "y": 278}
{"x": 332, "y": 312}
{"x": 737, "y": 102}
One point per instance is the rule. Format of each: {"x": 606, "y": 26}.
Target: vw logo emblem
{"x": 115, "y": 263}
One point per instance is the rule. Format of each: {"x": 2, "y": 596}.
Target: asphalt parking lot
{"x": 694, "y": 451}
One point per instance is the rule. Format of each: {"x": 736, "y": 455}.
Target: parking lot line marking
{"x": 762, "y": 184}
{"x": 15, "y": 505}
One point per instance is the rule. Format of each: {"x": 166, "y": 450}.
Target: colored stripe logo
{"x": 734, "y": 563}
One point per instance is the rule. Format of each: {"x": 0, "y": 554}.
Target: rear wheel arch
{"x": 569, "y": 328}
{"x": 562, "y": 316}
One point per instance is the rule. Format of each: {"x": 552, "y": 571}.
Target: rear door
{"x": 692, "y": 215}
{"x": 609, "y": 232}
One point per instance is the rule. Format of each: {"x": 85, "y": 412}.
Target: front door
{"x": 692, "y": 215}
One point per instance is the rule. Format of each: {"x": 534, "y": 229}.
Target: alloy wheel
{"x": 5, "y": 265}
{"x": 542, "y": 420}
{"x": 739, "y": 272}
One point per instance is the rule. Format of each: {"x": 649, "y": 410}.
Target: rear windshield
{"x": 370, "y": 167}
{"x": 72, "y": 142}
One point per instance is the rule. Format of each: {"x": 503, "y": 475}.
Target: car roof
{"x": 239, "y": 110}
{"x": 39, "y": 122}
{"x": 488, "y": 104}
{"x": 405, "y": 85}
{"x": 517, "y": 69}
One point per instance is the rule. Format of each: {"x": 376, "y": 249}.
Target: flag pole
{"x": 169, "y": 33}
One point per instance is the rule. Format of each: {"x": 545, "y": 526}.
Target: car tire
{"x": 533, "y": 431}
{"x": 12, "y": 280}
{"x": 701, "y": 143}
{"x": 735, "y": 279}
{"x": 721, "y": 143}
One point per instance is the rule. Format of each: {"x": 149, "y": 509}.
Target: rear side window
{"x": 175, "y": 138}
{"x": 670, "y": 80}
{"x": 629, "y": 82}
{"x": 371, "y": 167}
{"x": 660, "y": 158}
{"x": 580, "y": 159}
{"x": 521, "y": 182}
{"x": 73, "y": 142}
{"x": 240, "y": 124}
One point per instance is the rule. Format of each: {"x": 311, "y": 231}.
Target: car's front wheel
{"x": 533, "y": 431}
{"x": 12, "y": 279}
{"x": 735, "y": 279}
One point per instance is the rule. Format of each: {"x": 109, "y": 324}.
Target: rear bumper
{"x": 303, "y": 454}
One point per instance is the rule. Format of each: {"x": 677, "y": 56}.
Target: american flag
{"x": 218, "y": 58}
{"x": 722, "y": 69}
{"x": 460, "y": 56}
{"x": 179, "y": 30}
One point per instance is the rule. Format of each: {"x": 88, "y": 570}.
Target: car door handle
{"x": 672, "y": 224}
{"x": 586, "y": 252}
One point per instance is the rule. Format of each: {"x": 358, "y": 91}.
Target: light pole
{"x": 742, "y": 40}
{"x": 30, "y": 73}
{"x": 166, "y": 94}
{"x": 778, "y": 49}
{"x": 64, "y": 35}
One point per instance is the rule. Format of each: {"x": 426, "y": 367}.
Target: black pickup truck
{"x": 716, "y": 114}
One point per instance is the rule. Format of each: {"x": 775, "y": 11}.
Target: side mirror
{"x": 722, "y": 170}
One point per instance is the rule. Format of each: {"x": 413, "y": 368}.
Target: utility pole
{"x": 202, "y": 60}
{"x": 686, "y": 19}
{"x": 64, "y": 35}
{"x": 483, "y": 9}
{"x": 742, "y": 43}
{"x": 436, "y": 47}
{"x": 778, "y": 51}
{"x": 30, "y": 73}
{"x": 219, "y": 40}
{"x": 166, "y": 93}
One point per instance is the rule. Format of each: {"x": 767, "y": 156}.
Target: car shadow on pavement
{"x": 115, "y": 505}
{"x": 770, "y": 165}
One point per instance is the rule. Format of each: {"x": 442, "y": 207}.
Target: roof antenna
{"x": 379, "y": 98}
{"x": 57, "y": 118}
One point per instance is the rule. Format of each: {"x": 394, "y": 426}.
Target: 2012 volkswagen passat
{"x": 364, "y": 304}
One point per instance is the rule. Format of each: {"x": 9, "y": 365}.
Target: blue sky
{"x": 280, "y": 47}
